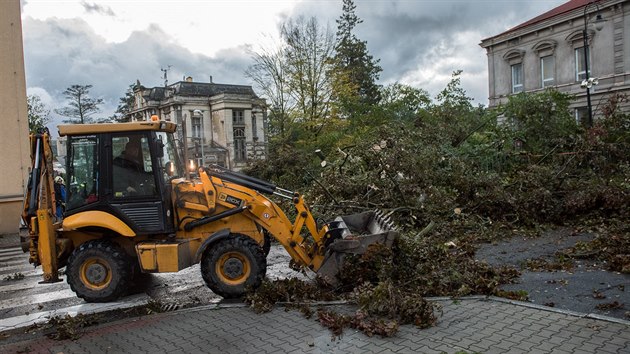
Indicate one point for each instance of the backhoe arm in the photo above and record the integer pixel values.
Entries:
(40, 208)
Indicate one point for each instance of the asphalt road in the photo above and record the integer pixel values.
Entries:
(582, 289)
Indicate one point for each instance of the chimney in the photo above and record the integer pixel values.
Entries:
(210, 78)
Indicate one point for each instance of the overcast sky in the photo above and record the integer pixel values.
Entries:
(111, 44)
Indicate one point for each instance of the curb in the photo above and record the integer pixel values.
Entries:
(593, 316)
(19, 322)
(219, 306)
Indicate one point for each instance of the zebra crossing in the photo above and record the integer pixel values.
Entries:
(24, 301)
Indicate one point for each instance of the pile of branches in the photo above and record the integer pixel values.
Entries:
(455, 178)
(378, 282)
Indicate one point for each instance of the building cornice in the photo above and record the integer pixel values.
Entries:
(550, 23)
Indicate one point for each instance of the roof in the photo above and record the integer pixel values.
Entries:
(564, 8)
(203, 89)
(86, 129)
(210, 89)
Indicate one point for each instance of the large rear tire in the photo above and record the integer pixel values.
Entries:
(232, 265)
(99, 271)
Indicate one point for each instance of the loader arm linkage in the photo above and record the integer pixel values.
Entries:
(320, 245)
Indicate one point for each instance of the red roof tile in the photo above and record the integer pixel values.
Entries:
(566, 7)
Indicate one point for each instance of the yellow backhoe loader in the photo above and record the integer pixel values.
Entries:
(132, 208)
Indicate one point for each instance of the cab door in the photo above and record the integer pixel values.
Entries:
(135, 191)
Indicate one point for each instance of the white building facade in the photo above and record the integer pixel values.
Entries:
(224, 124)
(548, 51)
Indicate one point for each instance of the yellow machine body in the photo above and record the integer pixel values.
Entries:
(223, 219)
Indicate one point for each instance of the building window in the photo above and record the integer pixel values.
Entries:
(240, 152)
(238, 118)
(581, 115)
(580, 65)
(547, 71)
(238, 123)
(517, 78)
(254, 132)
(196, 127)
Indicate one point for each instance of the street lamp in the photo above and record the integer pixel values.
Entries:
(590, 82)
(199, 113)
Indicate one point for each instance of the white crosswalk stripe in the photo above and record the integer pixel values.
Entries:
(22, 297)
(44, 316)
(16, 250)
(37, 299)
(24, 301)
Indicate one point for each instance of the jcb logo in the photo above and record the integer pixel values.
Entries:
(229, 199)
(233, 200)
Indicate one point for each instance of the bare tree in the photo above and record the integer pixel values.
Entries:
(269, 75)
(309, 47)
(293, 75)
(80, 105)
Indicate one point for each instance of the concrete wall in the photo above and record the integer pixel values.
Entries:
(14, 151)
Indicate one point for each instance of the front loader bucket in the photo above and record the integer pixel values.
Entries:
(352, 234)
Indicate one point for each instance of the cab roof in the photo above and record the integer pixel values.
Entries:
(82, 129)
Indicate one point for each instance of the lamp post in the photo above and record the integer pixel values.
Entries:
(588, 82)
(199, 113)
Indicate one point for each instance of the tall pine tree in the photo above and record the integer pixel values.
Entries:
(354, 71)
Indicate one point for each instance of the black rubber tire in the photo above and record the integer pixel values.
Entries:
(240, 249)
(106, 256)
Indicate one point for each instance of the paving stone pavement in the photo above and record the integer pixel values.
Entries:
(484, 325)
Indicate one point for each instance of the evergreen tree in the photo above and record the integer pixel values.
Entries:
(125, 105)
(80, 105)
(354, 71)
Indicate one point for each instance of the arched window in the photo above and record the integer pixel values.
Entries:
(514, 57)
(545, 50)
(576, 40)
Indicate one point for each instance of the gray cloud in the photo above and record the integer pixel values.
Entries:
(422, 42)
(63, 52)
(418, 42)
(98, 9)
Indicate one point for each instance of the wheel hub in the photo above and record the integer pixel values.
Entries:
(233, 268)
(96, 273)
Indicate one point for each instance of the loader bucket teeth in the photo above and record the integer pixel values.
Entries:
(352, 234)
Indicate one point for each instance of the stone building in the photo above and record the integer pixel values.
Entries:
(15, 160)
(224, 124)
(548, 51)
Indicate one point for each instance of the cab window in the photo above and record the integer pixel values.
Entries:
(132, 173)
(83, 171)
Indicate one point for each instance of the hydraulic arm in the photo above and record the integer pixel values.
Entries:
(321, 248)
(40, 208)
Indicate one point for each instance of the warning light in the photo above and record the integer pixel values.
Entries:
(155, 118)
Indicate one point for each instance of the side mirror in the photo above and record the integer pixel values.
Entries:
(160, 147)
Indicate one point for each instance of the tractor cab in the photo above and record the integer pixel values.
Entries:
(124, 170)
